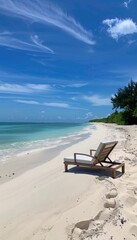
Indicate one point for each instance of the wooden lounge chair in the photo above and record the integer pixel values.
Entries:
(100, 160)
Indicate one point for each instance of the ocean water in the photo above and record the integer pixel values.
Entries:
(16, 138)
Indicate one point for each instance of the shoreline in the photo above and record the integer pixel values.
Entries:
(44, 202)
(16, 165)
(17, 148)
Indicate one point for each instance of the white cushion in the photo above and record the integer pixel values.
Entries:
(79, 159)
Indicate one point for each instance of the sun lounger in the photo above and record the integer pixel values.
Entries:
(100, 160)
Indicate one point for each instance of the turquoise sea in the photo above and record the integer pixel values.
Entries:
(16, 138)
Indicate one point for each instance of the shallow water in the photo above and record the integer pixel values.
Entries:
(16, 138)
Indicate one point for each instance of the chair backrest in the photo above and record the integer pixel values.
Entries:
(103, 150)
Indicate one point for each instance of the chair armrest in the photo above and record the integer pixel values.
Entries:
(91, 150)
(75, 155)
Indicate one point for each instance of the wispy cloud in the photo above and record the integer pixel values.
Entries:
(75, 85)
(88, 115)
(46, 13)
(23, 88)
(56, 104)
(131, 41)
(97, 100)
(27, 102)
(50, 104)
(126, 3)
(57, 83)
(38, 87)
(35, 44)
(118, 27)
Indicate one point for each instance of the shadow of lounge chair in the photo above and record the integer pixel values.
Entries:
(100, 160)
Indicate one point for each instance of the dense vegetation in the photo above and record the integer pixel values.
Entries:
(125, 106)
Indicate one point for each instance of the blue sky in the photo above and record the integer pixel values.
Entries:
(62, 60)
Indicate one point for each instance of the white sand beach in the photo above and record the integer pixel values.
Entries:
(42, 202)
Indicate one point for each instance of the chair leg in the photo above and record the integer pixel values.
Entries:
(114, 174)
(66, 167)
(123, 168)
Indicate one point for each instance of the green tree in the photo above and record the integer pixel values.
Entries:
(126, 99)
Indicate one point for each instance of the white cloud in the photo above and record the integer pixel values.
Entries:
(46, 13)
(97, 100)
(13, 88)
(77, 85)
(74, 85)
(26, 88)
(27, 102)
(48, 104)
(118, 27)
(35, 44)
(39, 87)
(131, 42)
(126, 3)
(57, 83)
(53, 104)
(56, 104)
(88, 115)
(39, 43)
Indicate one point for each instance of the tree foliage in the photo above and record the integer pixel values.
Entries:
(125, 105)
(126, 99)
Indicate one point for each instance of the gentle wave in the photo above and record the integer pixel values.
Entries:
(49, 136)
